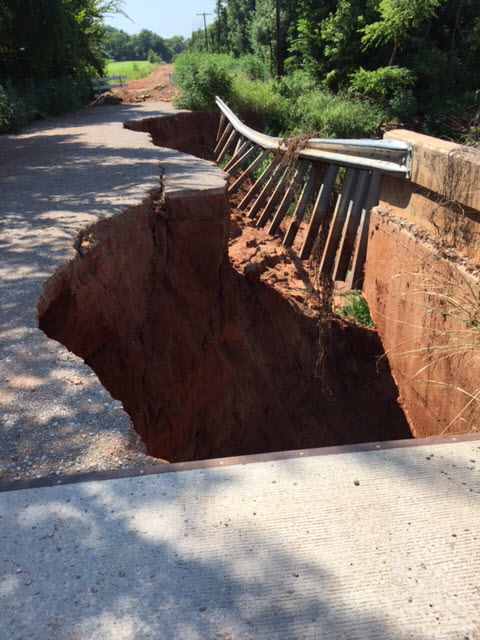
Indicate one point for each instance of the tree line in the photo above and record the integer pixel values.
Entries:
(49, 50)
(120, 46)
(422, 56)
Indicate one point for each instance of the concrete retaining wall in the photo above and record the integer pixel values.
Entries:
(422, 284)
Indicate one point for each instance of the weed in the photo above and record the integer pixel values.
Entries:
(225, 160)
(355, 308)
(290, 210)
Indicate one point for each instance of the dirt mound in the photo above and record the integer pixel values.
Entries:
(208, 362)
(107, 99)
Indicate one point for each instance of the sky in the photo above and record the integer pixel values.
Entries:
(167, 18)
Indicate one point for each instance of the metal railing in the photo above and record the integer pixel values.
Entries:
(336, 181)
(105, 84)
(388, 156)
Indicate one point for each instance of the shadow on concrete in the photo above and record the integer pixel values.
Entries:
(156, 560)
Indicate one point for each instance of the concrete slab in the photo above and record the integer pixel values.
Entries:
(58, 177)
(380, 544)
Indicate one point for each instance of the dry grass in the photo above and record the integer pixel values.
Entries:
(450, 326)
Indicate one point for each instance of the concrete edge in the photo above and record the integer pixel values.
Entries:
(434, 160)
(131, 472)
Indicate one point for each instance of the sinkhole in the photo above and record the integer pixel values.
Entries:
(207, 361)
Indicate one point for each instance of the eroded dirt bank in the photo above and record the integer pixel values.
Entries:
(206, 362)
(190, 132)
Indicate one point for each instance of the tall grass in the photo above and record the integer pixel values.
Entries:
(293, 104)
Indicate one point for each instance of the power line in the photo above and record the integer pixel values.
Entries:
(205, 26)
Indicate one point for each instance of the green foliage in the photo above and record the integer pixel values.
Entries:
(336, 116)
(201, 77)
(260, 105)
(39, 75)
(355, 308)
(12, 109)
(275, 107)
(74, 44)
(389, 86)
(252, 67)
(295, 84)
(27, 100)
(400, 20)
(152, 57)
(239, 16)
(132, 69)
(431, 46)
(262, 32)
(340, 38)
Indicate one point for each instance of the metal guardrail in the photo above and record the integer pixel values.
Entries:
(320, 199)
(387, 156)
(103, 84)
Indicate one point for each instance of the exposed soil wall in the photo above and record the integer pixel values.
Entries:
(206, 362)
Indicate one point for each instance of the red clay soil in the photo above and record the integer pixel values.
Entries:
(206, 361)
(192, 133)
(156, 87)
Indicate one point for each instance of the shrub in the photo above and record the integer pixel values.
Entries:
(201, 76)
(12, 109)
(278, 107)
(389, 86)
(27, 100)
(260, 105)
(336, 116)
(152, 57)
(295, 84)
(252, 67)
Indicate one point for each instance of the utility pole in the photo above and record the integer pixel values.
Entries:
(279, 60)
(205, 26)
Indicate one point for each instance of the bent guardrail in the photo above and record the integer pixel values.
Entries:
(336, 181)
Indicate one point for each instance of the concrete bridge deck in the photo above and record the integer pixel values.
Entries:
(363, 542)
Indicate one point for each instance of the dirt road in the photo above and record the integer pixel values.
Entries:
(156, 87)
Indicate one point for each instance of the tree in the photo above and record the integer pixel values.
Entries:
(218, 30)
(75, 44)
(144, 41)
(239, 16)
(176, 44)
(262, 31)
(117, 44)
(400, 19)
